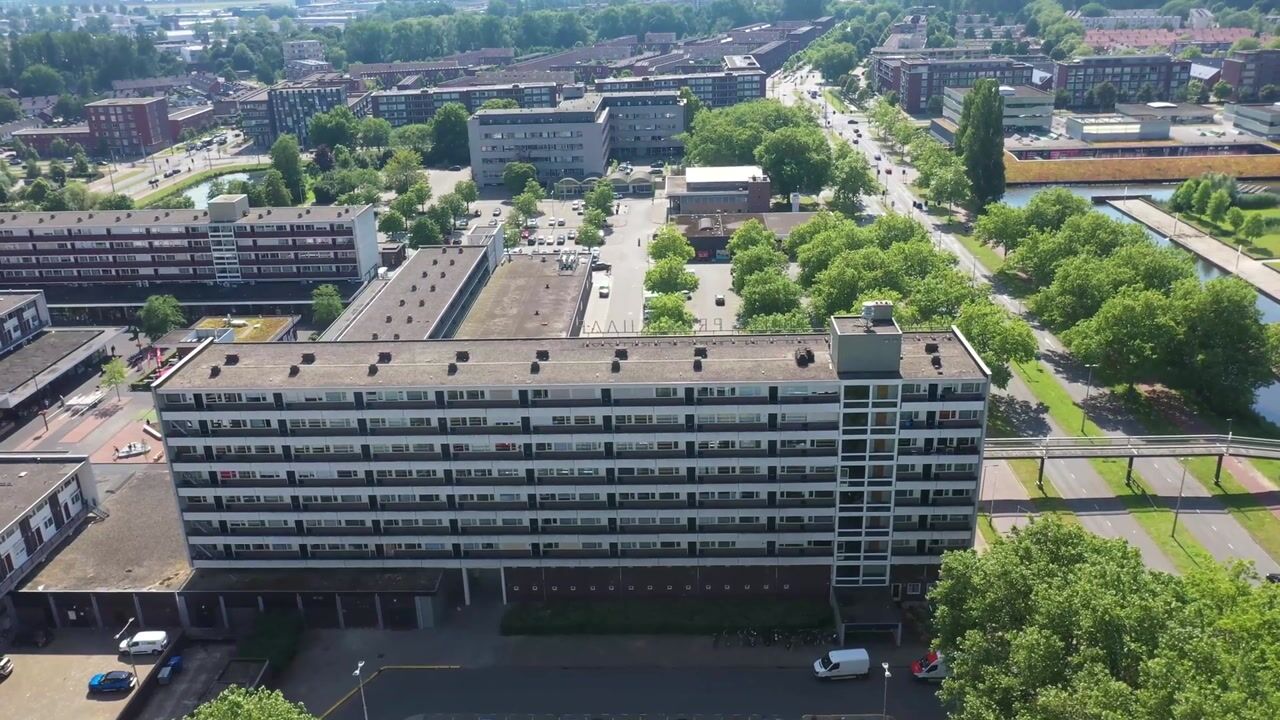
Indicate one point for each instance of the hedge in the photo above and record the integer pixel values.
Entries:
(1257, 201)
(663, 617)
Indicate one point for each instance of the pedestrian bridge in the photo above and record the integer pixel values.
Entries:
(1129, 447)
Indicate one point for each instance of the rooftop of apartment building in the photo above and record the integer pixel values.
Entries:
(1271, 109)
(560, 361)
(406, 67)
(1009, 91)
(1118, 60)
(498, 77)
(411, 302)
(124, 101)
(47, 350)
(189, 112)
(590, 102)
(740, 62)
(1167, 110)
(11, 300)
(26, 479)
(58, 131)
(530, 296)
(144, 218)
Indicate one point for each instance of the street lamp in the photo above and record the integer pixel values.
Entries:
(132, 663)
(1084, 412)
(1178, 506)
(360, 684)
(884, 706)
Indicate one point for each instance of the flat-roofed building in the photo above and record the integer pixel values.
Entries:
(1261, 120)
(716, 89)
(644, 126)
(128, 127)
(570, 140)
(1024, 107)
(925, 78)
(303, 50)
(532, 296)
(587, 467)
(1248, 71)
(726, 189)
(407, 107)
(1161, 77)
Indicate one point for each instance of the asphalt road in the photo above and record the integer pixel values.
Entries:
(1100, 512)
(787, 693)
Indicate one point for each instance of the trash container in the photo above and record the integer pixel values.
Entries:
(165, 676)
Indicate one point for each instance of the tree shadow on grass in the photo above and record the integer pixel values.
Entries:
(1011, 417)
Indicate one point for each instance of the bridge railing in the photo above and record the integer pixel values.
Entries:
(1113, 445)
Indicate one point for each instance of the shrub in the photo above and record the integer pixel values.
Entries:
(663, 617)
(275, 637)
(1257, 201)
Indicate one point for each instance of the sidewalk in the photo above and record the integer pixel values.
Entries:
(1004, 498)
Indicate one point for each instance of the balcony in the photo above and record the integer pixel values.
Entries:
(495, 529)
(265, 554)
(401, 405)
(806, 527)
(572, 505)
(570, 480)
(806, 452)
(486, 430)
(806, 502)
(807, 477)
(704, 527)
(419, 554)
(649, 453)
(509, 554)
(412, 505)
(651, 504)
(716, 478)
(809, 426)
(346, 530)
(257, 506)
(736, 400)
(331, 482)
(483, 403)
(573, 529)
(485, 455)
(575, 553)
(569, 455)
(565, 429)
(650, 428)
(252, 482)
(804, 552)
(732, 452)
(340, 554)
(335, 506)
(733, 427)
(408, 430)
(732, 552)
(566, 402)
(652, 528)
(328, 457)
(403, 456)
(188, 506)
(316, 406)
(410, 481)
(506, 480)
(822, 398)
(442, 529)
(477, 505)
(654, 552)
(739, 503)
(287, 530)
(234, 432)
(225, 407)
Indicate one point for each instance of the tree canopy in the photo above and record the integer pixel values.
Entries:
(237, 703)
(159, 315)
(730, 135)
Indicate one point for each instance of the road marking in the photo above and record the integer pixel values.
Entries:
(1230, 546)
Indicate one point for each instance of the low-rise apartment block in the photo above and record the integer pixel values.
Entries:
(303, 50)
(1024, 107)
(1248, 71)
(1127, 19)
(564, 467)
(570, 140)
(128, 127)
(924, 79)
(1162, 76)
(407, 107)
(718, 89)
(227, 243)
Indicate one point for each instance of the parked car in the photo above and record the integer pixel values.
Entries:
(560, 222)
(720, 300)
(573, 234)
(560, 239)
(6, 666)
(493, 222)
(32, 637)
(455, 168)
(114, 681)
(877, 157)
(147, 642)
(604, 290)
(839, 664)
(932, 667)
(497, 212)
(601, 266)
(888, 171)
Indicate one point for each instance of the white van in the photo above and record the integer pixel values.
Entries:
(931, 667)
(840, 664)
(147, 642)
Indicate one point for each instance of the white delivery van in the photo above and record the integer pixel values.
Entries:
(840, 664)
(147, 642)
(931, 667)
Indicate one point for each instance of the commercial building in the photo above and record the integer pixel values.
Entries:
(570, 140)
(631, 466)
(643, 126)
(23, 315)
(43, 500)
(1248, 71)
(709, 234)
(716, 90)
(128, 127)
(729, 189)
(1260, 120)
(1175, 113)
(1116, 128)
(407, 107)
(227, 243)
(1163, 77)
(1024, 107)
(923, 79)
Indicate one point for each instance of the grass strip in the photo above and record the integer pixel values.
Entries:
(986, 255)
(192, 180)
(836, 101)
(1182, 550)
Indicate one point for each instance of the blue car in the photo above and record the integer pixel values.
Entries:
(114, 681)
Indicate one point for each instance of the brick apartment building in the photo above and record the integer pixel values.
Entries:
(1248, 71)
(228, 243)
(719, 89)
(128, 127)
(407, 107)
(924, 79)
(1166, 77)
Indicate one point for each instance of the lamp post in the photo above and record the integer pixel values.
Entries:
(884, 705)
(1084, 413)
(360, 684)
(132, 663)
(1178, 505)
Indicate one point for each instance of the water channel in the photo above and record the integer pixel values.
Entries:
(199, 194)
(1267, 402)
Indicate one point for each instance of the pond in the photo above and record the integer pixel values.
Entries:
(199, 194)
(1267, 402)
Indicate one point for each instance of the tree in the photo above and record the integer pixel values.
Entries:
(114, 373)
(392, 222)
(670, 242)
(326, 305)
(769, 292)
(797, 159)
(286, 158)
(80, 164)
(670, 276)
(534, 189)
(417, 137)
(237, 703)
(467, 192)
(1253, 227)
(40, 79)
(1051, 209)
(9, 110)
(58, 172)
(1235, 218)
(453, 205)
(761, 258)
(374, 132)
(1183, 199)
(751, 234)
(425, 232)
(980, 140)
(1104, 95)
(998, 337)
(338, 126)
(667, 312)
(692, 105)
(275, 194)
(589, 236)
(403, 170)
(1200, 201)
(526, 204)
(950, 187)
(1219, 202)
(449, 134)
(794, 321)
(499, 104)
(1223, 353)
(730, 135)
(159, 315)
(1222, 90)
(851, 179)
(1002, 225)
(1124, 350)
(516, 175)
(600, 198)
(115, 201)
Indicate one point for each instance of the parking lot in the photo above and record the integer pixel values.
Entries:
(52, 682)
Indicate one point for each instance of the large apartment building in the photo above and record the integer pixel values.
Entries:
(643, 126)
(570, 140)
(1161, 75)
(227, 243)
(924, 79)
(128, 127)
(408, 107)
(1248, 71)
(587, 466)
(716, 90)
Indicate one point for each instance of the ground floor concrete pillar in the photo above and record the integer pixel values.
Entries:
(466, 588)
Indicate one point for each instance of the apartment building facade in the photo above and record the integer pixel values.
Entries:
(227, 243)
(303, 50)
(718, 89)
(23, 315)
(293, 105)
(924, 79)
(588, 467)
(1248, 71)
(128, 127)
(570, 140)
(47, 498)
(643, 125)
(1164, 76)
(407, 107)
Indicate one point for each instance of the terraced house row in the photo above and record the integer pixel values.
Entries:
(577, 466)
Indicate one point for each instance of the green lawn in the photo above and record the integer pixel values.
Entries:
(836, 101)
(1182, 550)
(1046, 502)
(1265, 247)
(987, 256)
